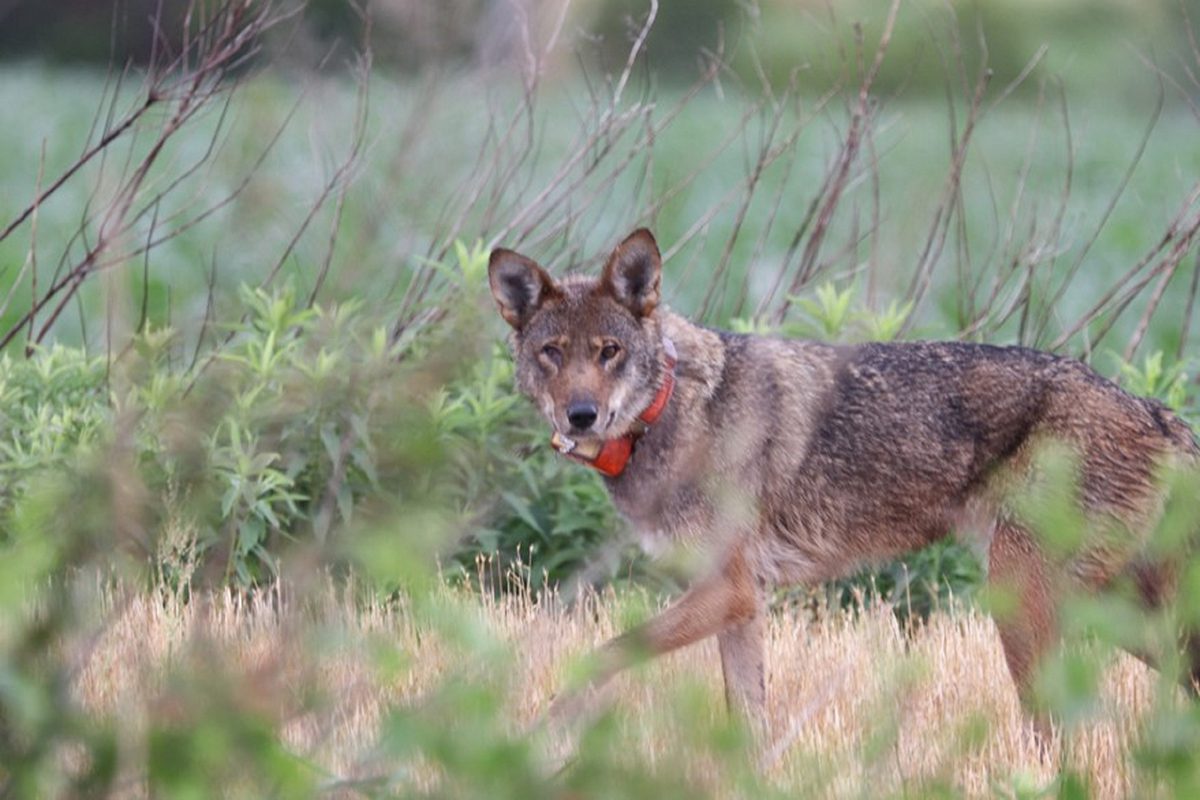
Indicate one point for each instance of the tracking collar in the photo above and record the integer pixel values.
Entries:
(609, 457)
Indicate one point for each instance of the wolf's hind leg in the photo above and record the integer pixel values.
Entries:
(1029, 629)
(742, 666)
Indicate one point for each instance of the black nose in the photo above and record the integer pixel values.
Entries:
(581, 415)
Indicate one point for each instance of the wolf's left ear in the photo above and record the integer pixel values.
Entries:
(634, 273)
(519, 285)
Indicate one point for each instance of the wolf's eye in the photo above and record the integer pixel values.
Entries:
(609, 352)
(553, 354)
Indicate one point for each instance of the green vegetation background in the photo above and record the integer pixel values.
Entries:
(382, 433)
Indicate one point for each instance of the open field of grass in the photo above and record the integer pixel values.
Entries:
(857, 705)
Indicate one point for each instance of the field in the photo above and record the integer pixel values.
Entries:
(859, 705)
(273, 521)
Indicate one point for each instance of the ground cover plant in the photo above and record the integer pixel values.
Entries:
(275, 523)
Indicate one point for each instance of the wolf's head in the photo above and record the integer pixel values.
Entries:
(588, 351)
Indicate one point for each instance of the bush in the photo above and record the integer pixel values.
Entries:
(53, 405)
(280, 436)
(308, 418)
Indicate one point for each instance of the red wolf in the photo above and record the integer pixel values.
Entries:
(786, 461)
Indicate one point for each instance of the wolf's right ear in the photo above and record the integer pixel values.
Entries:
(519, 285)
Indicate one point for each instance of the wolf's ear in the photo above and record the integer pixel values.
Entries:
(519, 285)
(634, 272)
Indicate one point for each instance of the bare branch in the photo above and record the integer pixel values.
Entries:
(184, 85)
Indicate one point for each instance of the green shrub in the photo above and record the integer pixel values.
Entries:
(276, 438)
(307, 416)
(53, 404)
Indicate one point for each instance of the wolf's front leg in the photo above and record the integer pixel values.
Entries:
(724, 601)
(742, 666)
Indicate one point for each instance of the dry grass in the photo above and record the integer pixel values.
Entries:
(857, 706)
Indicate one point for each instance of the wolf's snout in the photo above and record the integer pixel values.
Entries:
(582, 415)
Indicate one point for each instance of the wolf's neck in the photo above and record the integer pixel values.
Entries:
(701, 355)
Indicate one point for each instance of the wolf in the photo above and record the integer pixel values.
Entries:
(784, 461)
